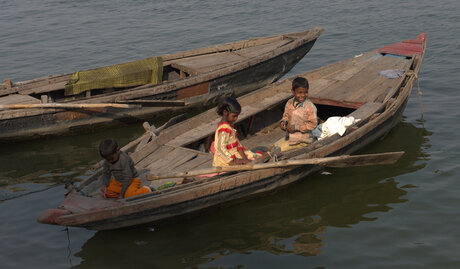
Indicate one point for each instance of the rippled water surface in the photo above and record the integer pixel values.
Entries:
(400, 216)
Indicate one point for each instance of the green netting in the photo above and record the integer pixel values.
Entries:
(117, 76)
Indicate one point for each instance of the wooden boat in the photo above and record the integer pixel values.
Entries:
(196, 77)
(351, 87)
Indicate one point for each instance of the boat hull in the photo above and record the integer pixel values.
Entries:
(265, 182)
(64, 122)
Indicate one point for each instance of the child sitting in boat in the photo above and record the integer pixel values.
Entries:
(299, 117)
(125, 182)
(228, 150)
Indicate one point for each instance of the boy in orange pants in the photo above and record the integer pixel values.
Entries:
(125, 182)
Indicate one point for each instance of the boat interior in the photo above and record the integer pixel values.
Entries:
(351, 87)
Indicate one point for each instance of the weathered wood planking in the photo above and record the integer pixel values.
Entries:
(262, 138)
(147, 150)
(18, 99)
(168, 158)
(206, 63)
(184, 158)
(204, 165)
(381, 85)
(253, 51)
(42, 83)
(366, 110)
(193, 163)
(340, 66)
(346, 90)
(155, 156)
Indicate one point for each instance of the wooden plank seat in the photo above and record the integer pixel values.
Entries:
(205, 63)
(170, 158)
(266, 137)
(366, 110)
(257, 50)
(18, 99)
(359, 84)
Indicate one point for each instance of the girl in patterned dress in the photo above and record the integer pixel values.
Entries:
(228, 150)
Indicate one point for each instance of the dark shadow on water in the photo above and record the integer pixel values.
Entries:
(292, 221)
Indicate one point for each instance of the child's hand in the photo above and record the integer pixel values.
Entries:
(291, 128)
(283, 125)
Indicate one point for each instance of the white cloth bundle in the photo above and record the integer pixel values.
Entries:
(333, 125)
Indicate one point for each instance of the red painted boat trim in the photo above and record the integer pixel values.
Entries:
(406, 47)
(50, 215)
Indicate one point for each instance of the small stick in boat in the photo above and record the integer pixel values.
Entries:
(153, 103)
(67, 106)
(337, 161)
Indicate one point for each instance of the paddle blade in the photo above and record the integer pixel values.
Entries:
(365, 159)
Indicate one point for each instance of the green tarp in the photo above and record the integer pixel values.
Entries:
(117, 76)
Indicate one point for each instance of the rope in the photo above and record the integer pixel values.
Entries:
(420, 93)
(66, 182)
(69, 254)
(27, 193)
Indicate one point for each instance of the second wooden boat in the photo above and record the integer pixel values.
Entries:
(195, 78)
(373, 87)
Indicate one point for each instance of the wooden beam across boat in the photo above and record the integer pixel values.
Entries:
(154, 103)
(67, 106)
(336, 161)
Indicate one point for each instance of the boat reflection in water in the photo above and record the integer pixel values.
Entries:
(293, 221)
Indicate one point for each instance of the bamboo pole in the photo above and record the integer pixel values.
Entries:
(338, 161)
(66, 106)
(154, 103)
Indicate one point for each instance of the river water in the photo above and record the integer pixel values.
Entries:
(400, 216)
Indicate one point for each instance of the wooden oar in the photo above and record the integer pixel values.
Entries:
(67, 106)
(117, 104)
(338, 161)
(154, 103)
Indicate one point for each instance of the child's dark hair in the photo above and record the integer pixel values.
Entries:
(299, 82)
(230, 104)
(108, 147)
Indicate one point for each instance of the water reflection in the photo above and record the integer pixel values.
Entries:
(292, 221)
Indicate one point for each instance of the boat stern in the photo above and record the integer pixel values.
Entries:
(50, 216)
